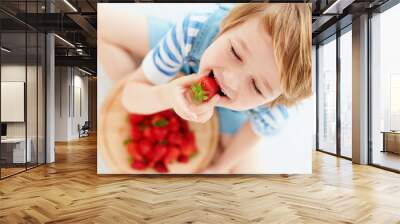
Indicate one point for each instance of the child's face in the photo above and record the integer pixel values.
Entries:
(243, 63)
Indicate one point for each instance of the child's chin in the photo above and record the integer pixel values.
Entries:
(236, 107)
(228, 104)
(223, 101)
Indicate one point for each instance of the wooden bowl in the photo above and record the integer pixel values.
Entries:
(114, 129)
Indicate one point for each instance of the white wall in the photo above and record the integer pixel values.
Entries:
(17, 73)
(12, 101)
(61, 103)
(80, 96)
(67, 114)
(33, 127)
(14, 73)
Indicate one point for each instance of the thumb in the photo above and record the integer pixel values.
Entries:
(213, 102)
(206, 106)
(189, 79)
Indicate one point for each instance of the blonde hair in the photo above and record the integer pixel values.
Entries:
(289, 25)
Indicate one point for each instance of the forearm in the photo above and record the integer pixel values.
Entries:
(115, 60)
(133, 39)
(142, 97)
(242, 142)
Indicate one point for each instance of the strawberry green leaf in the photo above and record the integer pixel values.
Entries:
(127, 141)
(161, 123)
(193, 155)
(198, 93)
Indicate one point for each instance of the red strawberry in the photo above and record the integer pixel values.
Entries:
(167, 113)
(204, 90)
(136, 134)
(147, 133)
(173, 124)
(183, 159)
(161, 167)
(146, 122)
(159, 133)
(189, 137)
(175, 138)
(139, 165)
(172, 154)
(136, 118)
(158, 152)
(133, 150)
(145, 146)
(184, 126)
(189, 145)
(159, 121)
(188, 149)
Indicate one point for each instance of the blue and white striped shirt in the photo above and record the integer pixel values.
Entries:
(163, 62)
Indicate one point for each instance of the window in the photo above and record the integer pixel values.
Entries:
(327, 96)
(346, 93)
(22, 76)
(385, 88)
(395, 102)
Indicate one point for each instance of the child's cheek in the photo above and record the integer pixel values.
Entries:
(211, 59)
(216, 56)
(220, 57)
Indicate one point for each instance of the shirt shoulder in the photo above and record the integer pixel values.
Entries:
(163, 61)
(268, 121)
(190, 26)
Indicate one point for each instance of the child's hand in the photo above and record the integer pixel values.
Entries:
(177, 94)
(216, 169)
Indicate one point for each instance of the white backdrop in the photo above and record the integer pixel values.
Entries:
(288, 152)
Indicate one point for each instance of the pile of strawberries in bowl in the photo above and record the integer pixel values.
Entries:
(159, 139)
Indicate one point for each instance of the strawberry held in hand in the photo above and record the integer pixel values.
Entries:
(204, 90)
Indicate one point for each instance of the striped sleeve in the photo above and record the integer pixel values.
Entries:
(268, 121)
(162, 63)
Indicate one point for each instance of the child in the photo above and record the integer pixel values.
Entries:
(259, 54)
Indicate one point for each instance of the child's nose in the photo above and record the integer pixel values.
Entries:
(232, 82)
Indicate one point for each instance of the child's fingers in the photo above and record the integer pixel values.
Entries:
(185, 109)
(203, 118)
(223, 102)
(205, 107)
(203, 112)
(187, 80)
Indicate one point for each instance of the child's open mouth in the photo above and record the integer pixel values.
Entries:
(221, 91)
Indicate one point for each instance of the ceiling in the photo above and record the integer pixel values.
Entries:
(76, 22)
(329, 16)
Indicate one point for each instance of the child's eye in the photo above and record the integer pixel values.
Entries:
(256, 88)
(235, 54)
